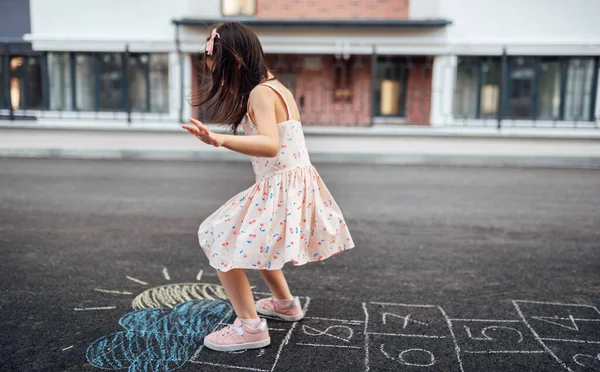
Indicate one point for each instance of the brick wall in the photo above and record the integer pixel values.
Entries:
(332, 9)
(314, 91)
(418, 91)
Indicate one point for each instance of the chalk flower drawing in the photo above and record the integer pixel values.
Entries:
(158, 339)
(165, 329)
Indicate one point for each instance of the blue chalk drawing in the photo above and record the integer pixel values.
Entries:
(158, 339)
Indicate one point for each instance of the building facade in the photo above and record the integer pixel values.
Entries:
(349, 63)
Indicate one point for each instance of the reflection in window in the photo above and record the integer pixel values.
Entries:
(549, 89)
(84, 82)
(25, 81)
(239, 7)
(159, 82)
(465, 95)
(59, 76)
(578, 94)
(490, 87)
(109, 82)
(521, 85)
(390, 86)
(16, 76)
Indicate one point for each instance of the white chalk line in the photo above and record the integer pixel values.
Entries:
(136, 280)
(166, 273)
(456, 347)
(506, 352)
(406, 319)
(407, 305)
(199, 275)
(356, 322)
(95, 308)
(112, 291)
(263, 293)
(236, 367)
(537, 337)
(486, 337)
(340, 346)
(286, 340)
(576, 357)
(565, 340)
(325, 332)
(364, 305)
(557, 304)
(403, 361)
(486, 320)
(403, 335)
(553, 320)
(67, 348)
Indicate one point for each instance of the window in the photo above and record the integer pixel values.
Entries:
(3, 84)
(96, 82)
(137, 82)
(537, 88)
(59, 75)
(580, 85)
(25, 82)
(521, 88)
(84, 82)
(239, 7)
(477, 90)
(159, 82)
(490, 87)
(390, 86)
(110, 76)
(342, 80)
(467, 84)
(549, 91)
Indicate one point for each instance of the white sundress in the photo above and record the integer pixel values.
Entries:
(288, 215)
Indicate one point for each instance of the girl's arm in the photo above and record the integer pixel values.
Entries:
(262, 111)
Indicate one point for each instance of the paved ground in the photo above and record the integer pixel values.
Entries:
(468, 269)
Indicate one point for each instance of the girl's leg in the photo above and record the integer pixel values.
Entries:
(238, 290)
(277, 283)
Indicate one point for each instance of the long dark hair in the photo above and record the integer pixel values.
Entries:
(238, 67)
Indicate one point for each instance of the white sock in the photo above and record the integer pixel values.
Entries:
(286, 302)
(252, 323)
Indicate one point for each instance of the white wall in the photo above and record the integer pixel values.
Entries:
(104, 24)
(424, 9)
(550, 26)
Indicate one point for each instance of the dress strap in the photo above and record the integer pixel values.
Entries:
(287, 107)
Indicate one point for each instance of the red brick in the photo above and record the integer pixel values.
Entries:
(332, 9)
(418, 91)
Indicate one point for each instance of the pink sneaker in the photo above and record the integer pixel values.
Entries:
(291, 313)
(239, 336)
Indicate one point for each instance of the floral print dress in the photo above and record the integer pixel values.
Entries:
(288, 215)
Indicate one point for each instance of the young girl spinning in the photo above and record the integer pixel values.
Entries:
(288, 215)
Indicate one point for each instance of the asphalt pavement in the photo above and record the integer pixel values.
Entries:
(455, 269)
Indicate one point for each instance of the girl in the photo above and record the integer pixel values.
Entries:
(288, 215)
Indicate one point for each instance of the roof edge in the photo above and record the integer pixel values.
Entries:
(251, 21)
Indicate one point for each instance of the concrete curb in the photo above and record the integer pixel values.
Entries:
(376, 131)
(588, 162)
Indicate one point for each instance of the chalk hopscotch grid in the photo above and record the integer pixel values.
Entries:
(445, 316)
(541, 340)
(449, 322)
(277, 356)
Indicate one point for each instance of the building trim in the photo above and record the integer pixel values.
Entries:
(250, 21)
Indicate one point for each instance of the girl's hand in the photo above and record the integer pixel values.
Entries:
(204, 134)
